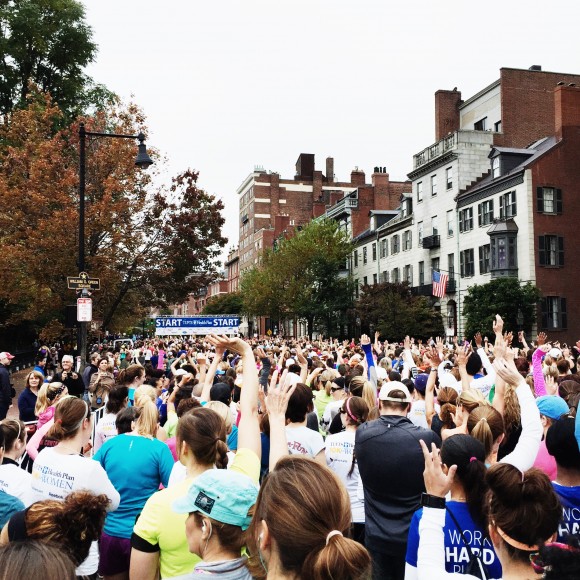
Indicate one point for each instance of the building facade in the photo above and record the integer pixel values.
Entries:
(474, 211)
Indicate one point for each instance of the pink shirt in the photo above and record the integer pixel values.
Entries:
(546, 462)
(172, 447)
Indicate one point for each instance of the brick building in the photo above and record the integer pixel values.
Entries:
(271, 205)
(232, 267)
(480, 193)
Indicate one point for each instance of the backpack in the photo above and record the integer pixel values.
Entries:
(475, 567)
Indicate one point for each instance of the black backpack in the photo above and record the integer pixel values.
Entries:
(475, 567)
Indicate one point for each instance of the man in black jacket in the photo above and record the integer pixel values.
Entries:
(5, 386)
(69, 378)
(391, 464)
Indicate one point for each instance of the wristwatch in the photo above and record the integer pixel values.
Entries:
(432, 501)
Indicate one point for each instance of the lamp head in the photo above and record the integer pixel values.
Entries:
(143, 161)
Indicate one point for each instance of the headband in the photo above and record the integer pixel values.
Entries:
(515, 543)
(349, 413)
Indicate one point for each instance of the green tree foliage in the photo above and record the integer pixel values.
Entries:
(302, 278)
(503, 296)
(47, 42)
(230, 303)
(395, 312)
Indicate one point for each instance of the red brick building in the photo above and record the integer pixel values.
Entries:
(271, 205)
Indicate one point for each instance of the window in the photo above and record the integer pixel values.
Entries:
(451, 265)
(355, 254)
(497, 126)
(395, 276)
(549, 200)
(551, 250)
(384, 248)
(420, 233)
(421, 273)
(408, 274)
(466, 264)
(365, 281)
(395, 244)
(481, 125)
(434, 266)
(434, 228)
(419, 191)
(466, 219)
(554, 314)
(450, 222)
(449, 177)
(374, 251)
(407, 240)
(365, 255)
(507, 205)
(433, 185)
(374, 278)
(495, 167)
(504, 253)
(385, 276)
(485, 213)
(356, 289)
(484, 253)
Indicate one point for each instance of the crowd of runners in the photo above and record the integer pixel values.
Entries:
(285, 459)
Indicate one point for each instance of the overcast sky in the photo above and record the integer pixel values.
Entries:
(228, 85)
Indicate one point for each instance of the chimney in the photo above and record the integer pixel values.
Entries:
(305, 167)
(535, 67)
(330, 169)
(446, 112)
(567, 108)
(380, 177)
(357, 176)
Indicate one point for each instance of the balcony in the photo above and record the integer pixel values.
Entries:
(435, 150)
(431, 242)
(451, 286)
(422, 290)
(346, 204)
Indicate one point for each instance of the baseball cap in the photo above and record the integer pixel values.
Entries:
(555, 352)
(386, 390)
(421, 382)
(220, 494)
(6, 355)
(552, 406)
(179, 373)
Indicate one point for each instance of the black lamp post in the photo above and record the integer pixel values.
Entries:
(143, 161)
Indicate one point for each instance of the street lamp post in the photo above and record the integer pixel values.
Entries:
(143, 161)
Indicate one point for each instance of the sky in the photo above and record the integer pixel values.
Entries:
(228, 85)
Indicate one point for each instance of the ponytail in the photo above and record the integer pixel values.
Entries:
(146, 418)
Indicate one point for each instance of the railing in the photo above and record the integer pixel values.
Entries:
(451, 286)
(430, 242)
(26, 461)
(345, 203)
(434, 150)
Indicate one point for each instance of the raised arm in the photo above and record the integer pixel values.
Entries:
(277, 403)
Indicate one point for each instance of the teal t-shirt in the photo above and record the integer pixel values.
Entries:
(136, 466)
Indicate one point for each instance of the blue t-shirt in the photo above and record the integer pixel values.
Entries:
(9, 505)
(233, 439)
(570, 498)
(136, 466)
(456, 553)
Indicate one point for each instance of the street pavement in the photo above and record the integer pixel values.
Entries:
(18, 379)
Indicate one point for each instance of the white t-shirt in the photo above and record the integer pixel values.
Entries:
(105, 430)
(330, 412)
(16, 481)
(55, 475)
(179, 471)
(417, 414)
(304, 441)
(339, 452)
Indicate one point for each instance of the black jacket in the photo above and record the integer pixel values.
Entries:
(5, 388)
(76, 387)
(391, 464)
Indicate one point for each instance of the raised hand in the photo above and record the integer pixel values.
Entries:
(542, 338)
(437, 482)
(477, 339)
(498, 324)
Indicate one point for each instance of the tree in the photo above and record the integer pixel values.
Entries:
(231, 303)
(302, 278)
(395, 312)
(503, 296)
(47, 42)
(149, 247)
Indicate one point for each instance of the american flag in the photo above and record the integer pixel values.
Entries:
(439, 284)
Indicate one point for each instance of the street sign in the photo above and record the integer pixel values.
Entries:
(84, 309)
(83, 282)
(198, 325)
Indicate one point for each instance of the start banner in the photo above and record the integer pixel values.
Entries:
(196, 325)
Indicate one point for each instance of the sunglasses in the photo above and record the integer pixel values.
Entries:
(334, 389)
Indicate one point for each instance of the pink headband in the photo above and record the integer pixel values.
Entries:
(349, 413)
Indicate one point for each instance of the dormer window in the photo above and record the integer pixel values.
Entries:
(495, 167)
